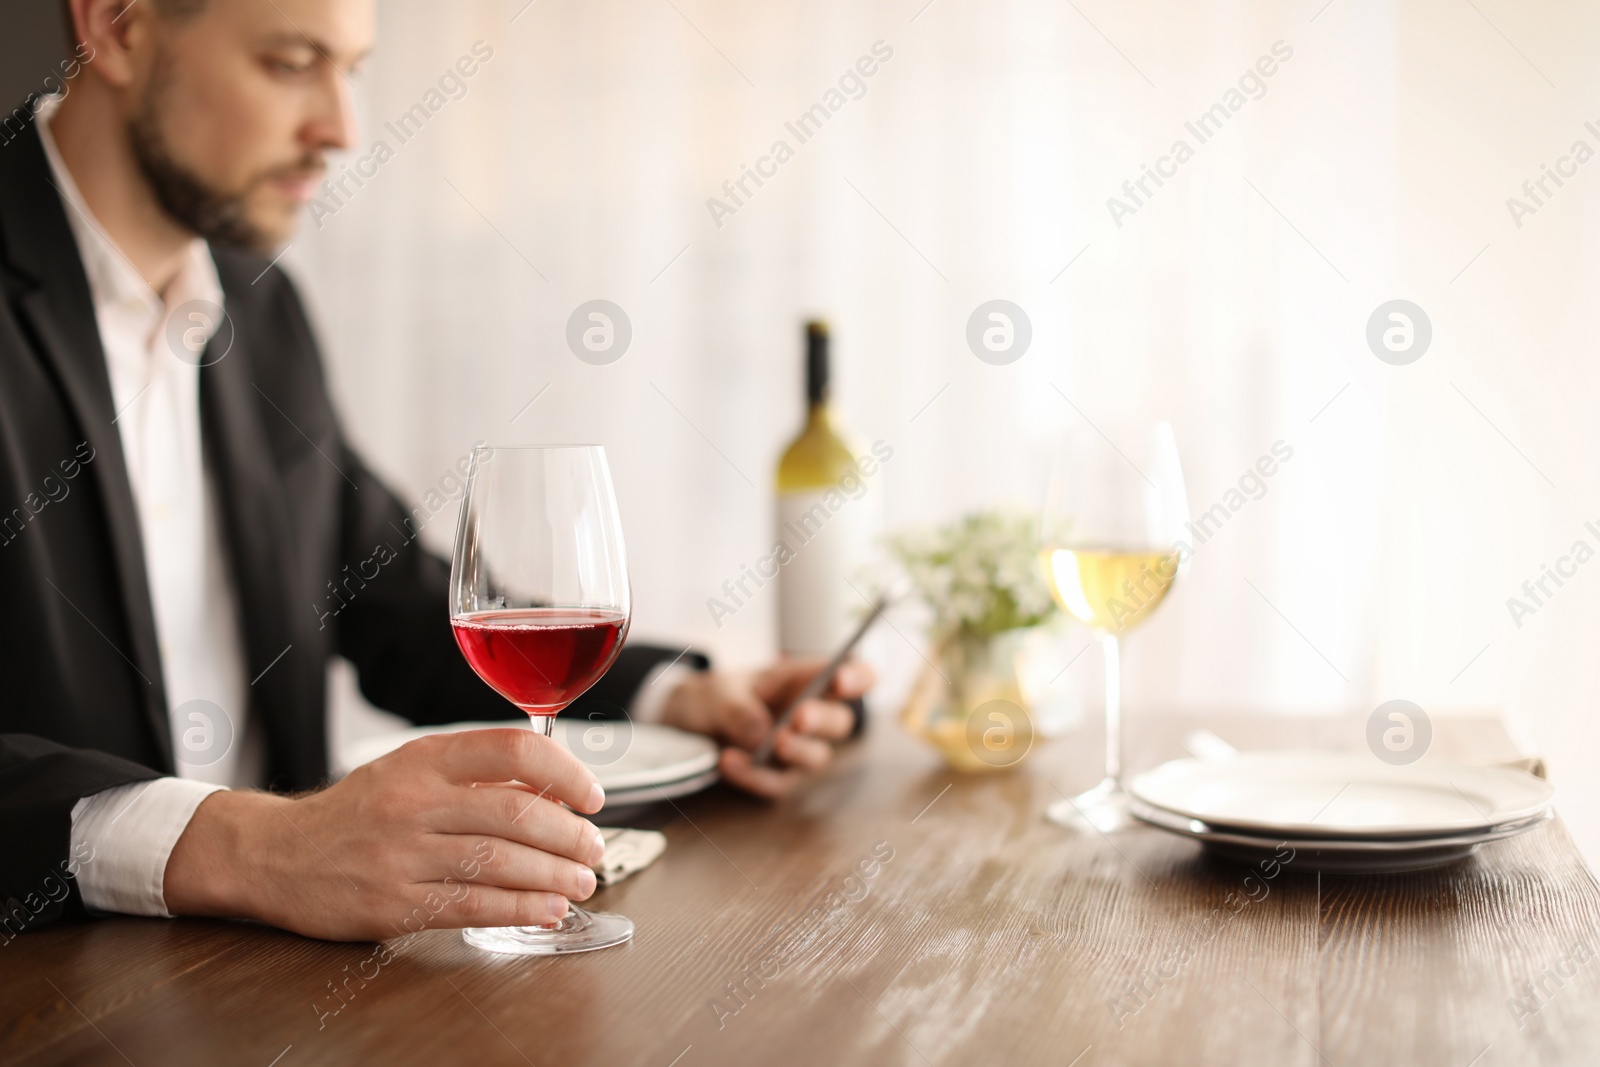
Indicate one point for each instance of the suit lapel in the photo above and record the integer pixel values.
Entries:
(256, 521)
(60, 313)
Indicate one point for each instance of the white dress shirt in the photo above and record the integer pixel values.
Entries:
(155, 386)
(156, 394)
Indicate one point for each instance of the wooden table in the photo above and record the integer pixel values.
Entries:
(979, 934)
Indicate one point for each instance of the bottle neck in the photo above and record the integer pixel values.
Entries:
(817, 417)
(816, 365)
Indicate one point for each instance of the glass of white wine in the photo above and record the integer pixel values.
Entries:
(1119, 499)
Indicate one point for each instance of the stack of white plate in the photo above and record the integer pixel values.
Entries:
(636, 763)
(1345, 812)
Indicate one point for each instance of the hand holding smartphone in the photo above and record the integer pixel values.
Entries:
(819, 682)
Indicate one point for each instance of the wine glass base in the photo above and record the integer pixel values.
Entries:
(578, 931)
(1103, 808)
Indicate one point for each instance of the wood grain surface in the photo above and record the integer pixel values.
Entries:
(896, 913)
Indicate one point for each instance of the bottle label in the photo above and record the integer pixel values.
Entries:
(827, 533)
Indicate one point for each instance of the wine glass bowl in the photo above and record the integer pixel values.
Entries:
(540, 605)
(1110, 589)
(540, 658)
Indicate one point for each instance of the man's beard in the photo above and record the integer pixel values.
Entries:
(200, 207)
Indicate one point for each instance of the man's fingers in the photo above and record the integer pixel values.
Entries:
(500, 755)
(763, 781)
(513, 784)
(744, 720)
(516, 815)
(826, 719)
(807, 753)
(782, 682)
(510, 865)
(853, 679)
(487, 905)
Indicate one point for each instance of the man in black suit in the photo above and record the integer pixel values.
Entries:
(175, 491)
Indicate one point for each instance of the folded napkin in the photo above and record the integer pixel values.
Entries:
(627, 853)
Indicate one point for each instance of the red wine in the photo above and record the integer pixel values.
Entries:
(540, 659)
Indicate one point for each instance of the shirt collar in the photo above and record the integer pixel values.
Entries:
(113, 281)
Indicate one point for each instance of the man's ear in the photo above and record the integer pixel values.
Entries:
(110, 34)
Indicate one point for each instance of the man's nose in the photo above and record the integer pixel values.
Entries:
(334, 123)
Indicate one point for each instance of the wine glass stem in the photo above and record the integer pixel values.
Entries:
(1113, 709)
(546, 725)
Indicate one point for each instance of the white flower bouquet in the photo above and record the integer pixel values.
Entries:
(981, 580)
(979, 575)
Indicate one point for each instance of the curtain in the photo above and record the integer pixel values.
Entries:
(1341, 156)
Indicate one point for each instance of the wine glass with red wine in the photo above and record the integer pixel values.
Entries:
(539, 602)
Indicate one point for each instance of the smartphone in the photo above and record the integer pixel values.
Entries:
(819, 682)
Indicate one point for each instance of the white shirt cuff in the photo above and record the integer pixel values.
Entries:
(651, 699)
(125, 835)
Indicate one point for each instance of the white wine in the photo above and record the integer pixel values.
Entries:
(1110, 589)
(821, 519)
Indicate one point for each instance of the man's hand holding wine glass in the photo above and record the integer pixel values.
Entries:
(401, 837)
(422, 832)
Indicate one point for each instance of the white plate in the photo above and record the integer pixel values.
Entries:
(1342, 795)
(624, 756)
(627, 798)
(1336, 855)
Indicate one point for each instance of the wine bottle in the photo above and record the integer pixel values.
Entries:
(822, 520)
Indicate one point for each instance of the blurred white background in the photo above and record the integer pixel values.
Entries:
(1376, 165)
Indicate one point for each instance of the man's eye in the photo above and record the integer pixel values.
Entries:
(287, 66)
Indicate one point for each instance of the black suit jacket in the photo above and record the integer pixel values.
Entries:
(83, 707)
